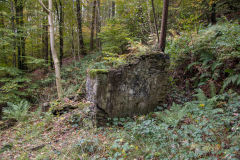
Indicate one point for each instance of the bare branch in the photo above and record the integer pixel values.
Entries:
(44, 7)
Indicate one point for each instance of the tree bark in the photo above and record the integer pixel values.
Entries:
(79, 20)
(162, 43)
(45, 39)
(98, 25)
(61, 30)
(213, 14)
(54, 54)
(14, 37)
(113, 8)
(149, 17)
(21, 40)
(51, 59)
(45, 42)
(60, 16)
(73, 47)
(92, 25)
(155, 20)
(2, 25)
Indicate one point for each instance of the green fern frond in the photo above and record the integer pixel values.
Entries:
(18, 112)
(234, 79)
(200, 95)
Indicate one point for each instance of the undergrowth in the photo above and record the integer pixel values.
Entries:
(212, 55)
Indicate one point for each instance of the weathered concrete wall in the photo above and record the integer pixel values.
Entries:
(132, 89)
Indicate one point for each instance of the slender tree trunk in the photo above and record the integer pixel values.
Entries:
(21, 39)
(92, 25)
(149, 17)
(60, 17)
(78, 46)
(98, 25)
(73, 47)
(213, 14)
(1, 24)
(162, 43)
(45, 39)
(113, 8)
(155, 20)
(109, 9)
(2, 35)
(51, 59)
(45, 42)
(54, 53)
(61, 30)
(79, 20)
(13, 30)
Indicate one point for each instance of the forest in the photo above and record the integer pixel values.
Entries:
(119, 79)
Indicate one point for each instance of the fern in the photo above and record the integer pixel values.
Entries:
(200, 95)
(212, 89)
(174, 116)
(234, 79)
(18, 112)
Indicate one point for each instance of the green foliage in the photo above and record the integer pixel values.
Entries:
(36, 62)
(234, 80)
(114, 37)
(212, 55)
(11, 84)
(198, 129)
(17, 112)
(86, 147)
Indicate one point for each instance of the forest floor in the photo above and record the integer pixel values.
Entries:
(194, 130)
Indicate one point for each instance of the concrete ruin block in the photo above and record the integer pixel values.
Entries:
(132, 89)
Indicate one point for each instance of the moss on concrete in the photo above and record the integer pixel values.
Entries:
(93, 72)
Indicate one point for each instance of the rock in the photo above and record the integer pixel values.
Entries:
(45, 106)
(63, 109)
(133, 89)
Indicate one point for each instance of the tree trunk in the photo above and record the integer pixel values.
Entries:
(21, 40)
(109, 5)
(45, 42)
(149, 17)
(60, 17)
(73, 47)
(13, 30)
(113, 9)
(162, 43)
(155, 20)
(213, 14)
(79, 20)
(61, 30)
(54, 54)
(92, 25)
(98, 25)
(51, 59)
(4, 58)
